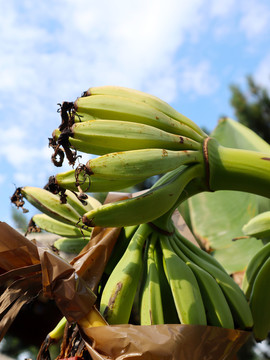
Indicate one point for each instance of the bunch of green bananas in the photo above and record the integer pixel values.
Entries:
(176, 281)
(138, 136)
(60, 215)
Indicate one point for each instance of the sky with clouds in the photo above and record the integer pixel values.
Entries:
(185, 52)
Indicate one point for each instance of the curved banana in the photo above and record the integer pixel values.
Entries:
(148, 99)
(145, 207)
(151, 310)
(260, 302)
(58, 331)
(253, 269)
(113, 107)
(120, 247)
(120, 135)
(92, 319)
(57, 227)
(84, 205)
(80, 178)
(217, 310)
(184, 286)
(83, 146)
(50, 204)
(169, 310)
(132, 164)
(119, 292)
(71, 245)
(234, 295)
(200, 252)
(258, 226)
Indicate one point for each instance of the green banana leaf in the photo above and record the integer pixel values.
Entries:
(217, 218)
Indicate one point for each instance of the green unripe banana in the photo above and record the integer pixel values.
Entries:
(71, 245)
(151, 310)
(119, 291)
(184, 286)
(260, 302)
(134, 164)
(258, 226)
(57, 227)
(145, 207)
(50, 204)
(253, 268)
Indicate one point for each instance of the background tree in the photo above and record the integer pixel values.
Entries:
(252, 108)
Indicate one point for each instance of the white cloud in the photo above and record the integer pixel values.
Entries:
(197, 79)
(262, 74)
(255, 18)
(222, 8)
(2, 179)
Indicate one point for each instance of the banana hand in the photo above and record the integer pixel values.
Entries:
(144, 98)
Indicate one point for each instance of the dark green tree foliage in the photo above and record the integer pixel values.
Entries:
(252, 108)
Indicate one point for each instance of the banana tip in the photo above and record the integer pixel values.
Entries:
(87, 222)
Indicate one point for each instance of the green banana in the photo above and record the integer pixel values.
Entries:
(151, 310)
(118, 135)
(184, 286)
(57, 227)
(71, 245)
(216, 306)
(120, 247)
(200, 252)
(145, 207)
(169, 310)
(83, 146)
(119, 292)
(253, 269)
(145, 98)
(218, 312)
(234, 295)
(80, 178)
(50, 204)
(84, 205)
(260, 302)
(113, 107)
(132, 164)
(258, 226)
(57, 333)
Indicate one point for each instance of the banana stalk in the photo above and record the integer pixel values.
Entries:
(237, 169)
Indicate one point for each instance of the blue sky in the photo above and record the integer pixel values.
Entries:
(185, 52)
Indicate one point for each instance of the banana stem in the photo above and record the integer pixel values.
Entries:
(237, 169)
(190, 187)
